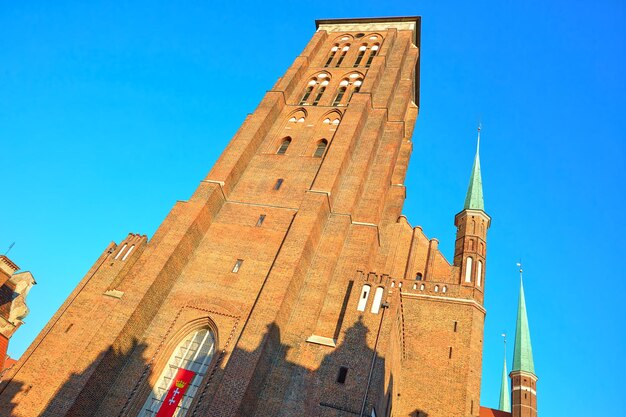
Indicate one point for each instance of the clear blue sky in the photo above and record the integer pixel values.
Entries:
(112, 111)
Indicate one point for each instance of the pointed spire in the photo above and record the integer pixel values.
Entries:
(505, 394)
(523, 352)
(474, 198)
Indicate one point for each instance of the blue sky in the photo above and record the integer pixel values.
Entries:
(110, 112)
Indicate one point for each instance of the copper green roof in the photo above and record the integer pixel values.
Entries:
(505, 394)
(474, 198)
(523, 352)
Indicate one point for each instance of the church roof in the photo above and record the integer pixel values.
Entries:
(474, 198)
(523, 352)
(490, 412)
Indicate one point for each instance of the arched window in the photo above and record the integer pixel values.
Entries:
(128, 252)
(436, 288)
(333, 52)
(283, 146)
(359, 57)
(187, 366)
(479, 272)
(468, 270)
(365, 292)
(444, 289)
(340, 93)
(418, 277)
(373, 53)
(308, 91)
(121, 251)
(378, 299)
(320, 149)
(320, 92)
(344, 51)
(357, 87)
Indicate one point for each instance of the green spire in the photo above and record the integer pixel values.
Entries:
(474, 199)
(505, 394)
(523, 352)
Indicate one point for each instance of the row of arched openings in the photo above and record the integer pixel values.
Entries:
(320, 147)
(341, 47)
(364, 296)
(317, 85)
(468, 271)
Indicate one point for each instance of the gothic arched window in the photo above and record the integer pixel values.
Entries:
(333, 52)
(359, 57)
(321, 148)
(373, 53)
(283, 146)
(344, 51)
(178, 383)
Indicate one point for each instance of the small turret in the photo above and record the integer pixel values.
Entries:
(471, 237)
(523, 378)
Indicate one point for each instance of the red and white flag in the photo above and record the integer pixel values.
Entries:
(179, 386)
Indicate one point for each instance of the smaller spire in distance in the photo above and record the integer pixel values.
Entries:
(474, 198)
(505, 394)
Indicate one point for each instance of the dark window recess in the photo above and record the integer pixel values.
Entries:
(341, 57)
(330, 59)
(320, 149)
(283, 147)
(318, 97)
(450, 353)
(455, 325)
(279, 182)
(260, 221)
(306, 95)
(418, 277)
(359, 58)
(341, 376)
(342, 91)
(371, 58)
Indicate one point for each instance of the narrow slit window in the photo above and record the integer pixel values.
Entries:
(365, 292)
(237, 265)
(283, 146)
(259, 222)
(359, 57)
(450, 353)
(128, 252)
(342, 374)
(279, 183)
(378, 299)
(373, 53)
(320, 149)
(479, 273)
(455, 326)
(308, 91)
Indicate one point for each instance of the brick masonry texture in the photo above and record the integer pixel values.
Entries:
(287, 321)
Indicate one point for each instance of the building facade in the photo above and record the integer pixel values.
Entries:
(290, 283)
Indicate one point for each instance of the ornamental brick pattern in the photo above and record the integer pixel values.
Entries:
(287, 321)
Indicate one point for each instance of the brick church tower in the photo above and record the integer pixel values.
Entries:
(290, 283)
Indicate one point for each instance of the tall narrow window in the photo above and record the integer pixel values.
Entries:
(344, 51)
(365, 292)
(479, 272)
(320, 149)
(357, 87)
(468, 270)
(187, 365)
(309, 90)
(121, 251)
(342, 90)
(333, 51)
(378, 299)
(359, 57)
(343, 373)
(373, 53)
(279, 183)
(128, 252)
(283, 146)
(237, 265)
(259, 222)
(320, 93)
